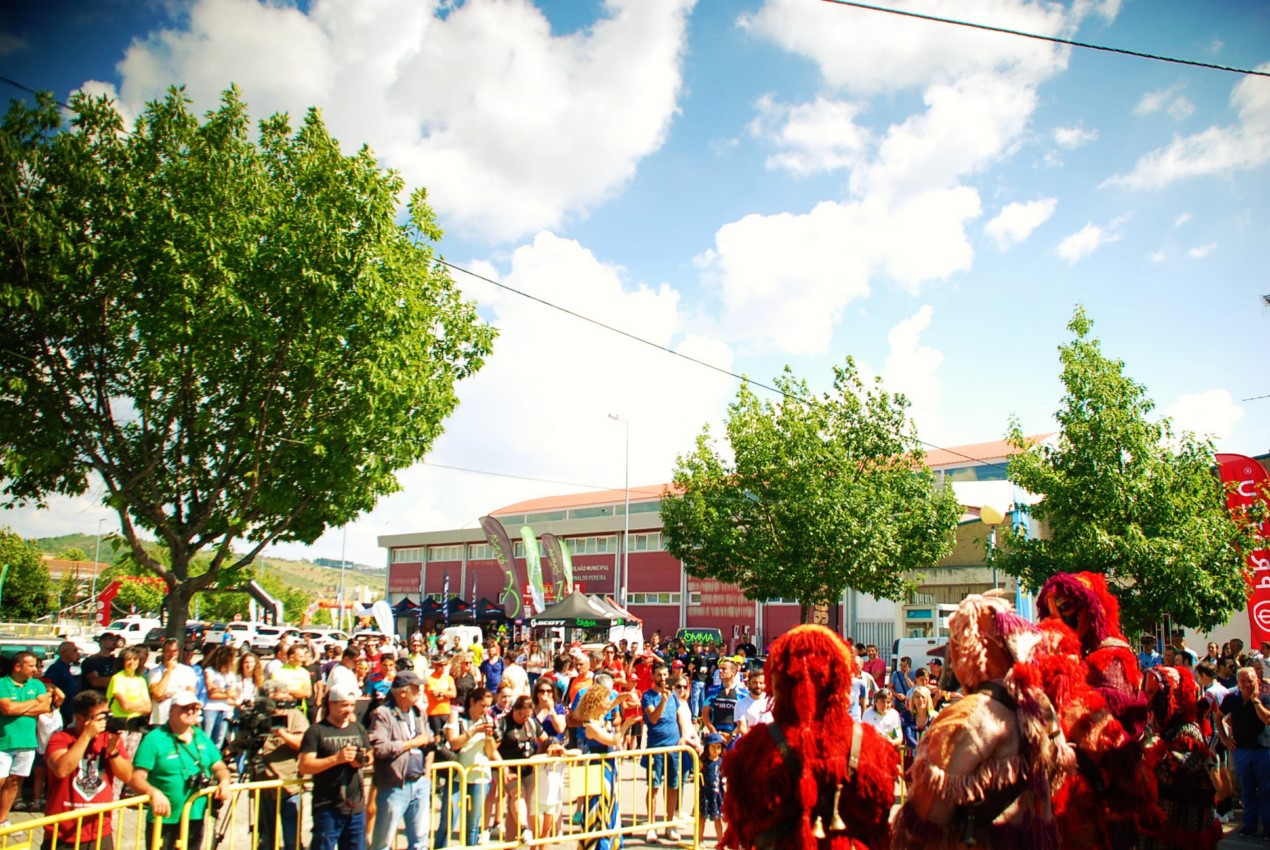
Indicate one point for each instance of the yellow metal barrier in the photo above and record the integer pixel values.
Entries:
(582, 798)
(126, 820)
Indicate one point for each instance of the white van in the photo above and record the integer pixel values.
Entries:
(133, 629)
(917, 649)
(461, 637)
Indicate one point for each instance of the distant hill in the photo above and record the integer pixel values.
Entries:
(335, 563)
(313, 578)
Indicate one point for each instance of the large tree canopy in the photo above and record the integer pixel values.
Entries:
(823, 493)
(27, 588)
(236, 336)
(1126, 497)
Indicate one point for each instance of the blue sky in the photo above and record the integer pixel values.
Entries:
(755, 183)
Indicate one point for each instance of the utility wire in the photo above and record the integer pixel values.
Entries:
(674, 353)
(518, 477)
(1050, 38)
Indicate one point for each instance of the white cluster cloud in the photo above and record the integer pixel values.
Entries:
(913, 369)
(1079, 245)
(1213, 413)
(1016, 221)
(1170, 101)
(784, 279)
(1071, 138)
(512, 128)
(1216, 151)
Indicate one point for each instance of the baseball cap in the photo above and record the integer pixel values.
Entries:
(405, 679)
(712, 738)
(184, 698)
(343, 693)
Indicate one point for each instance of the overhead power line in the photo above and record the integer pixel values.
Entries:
(1050, 38)
(667, 350)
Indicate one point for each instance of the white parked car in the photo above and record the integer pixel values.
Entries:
(133, 629)
(267, 637)
(241, 634)
(321, 637)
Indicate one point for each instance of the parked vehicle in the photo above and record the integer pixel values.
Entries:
(461, 637)
(44, 648)
(241, 634)
(267, 638)
(133, 629)
(212, 632)
(195, 636)
(920, 650)
(321, 637)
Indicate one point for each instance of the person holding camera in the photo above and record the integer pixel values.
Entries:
(334, 751)
(403, 747)
(173, 763)
(278, 743)
(83, 763)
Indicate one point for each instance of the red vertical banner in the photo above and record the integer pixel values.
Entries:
(1247, 483)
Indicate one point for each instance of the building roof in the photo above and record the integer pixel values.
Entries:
(955, 456)
(645, 493)
(961, 455)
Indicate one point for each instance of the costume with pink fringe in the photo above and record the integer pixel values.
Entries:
(984, 773)
(813, 779)
(1178, 755)
(1091, 675)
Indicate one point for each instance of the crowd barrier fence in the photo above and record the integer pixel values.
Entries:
(571, 798)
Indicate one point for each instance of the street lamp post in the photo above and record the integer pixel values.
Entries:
(991, 517)
(340, 601)
(624, 574)
(92, 609)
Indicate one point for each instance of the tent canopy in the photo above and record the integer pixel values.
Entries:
(576, 610)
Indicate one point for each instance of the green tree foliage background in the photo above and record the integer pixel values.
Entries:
(1127, 497)
(814, 495)
(27, 591)
(235, 336)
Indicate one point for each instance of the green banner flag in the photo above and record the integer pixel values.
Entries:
(533, 567)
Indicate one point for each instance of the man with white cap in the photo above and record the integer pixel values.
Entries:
(334, 751)
(173, 763)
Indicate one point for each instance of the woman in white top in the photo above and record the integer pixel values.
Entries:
(883, 717)
(472, 738)
(222, 692)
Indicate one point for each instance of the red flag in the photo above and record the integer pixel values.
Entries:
(1248, 483)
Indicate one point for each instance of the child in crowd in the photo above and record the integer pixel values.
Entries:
(711, 787)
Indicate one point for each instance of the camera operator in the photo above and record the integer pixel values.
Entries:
(334, 751)
(276, 730)
(83, 763)
(403, 759)
(173, 763)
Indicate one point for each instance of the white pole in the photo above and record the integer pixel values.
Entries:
(624, 573)
(96, 560)
(343, 549)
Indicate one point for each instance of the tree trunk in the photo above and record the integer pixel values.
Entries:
(804, 612)
(177, 609)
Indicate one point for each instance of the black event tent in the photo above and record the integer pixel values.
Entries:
(575, 611)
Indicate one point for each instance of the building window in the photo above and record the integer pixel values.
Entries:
(518, 548)
(445, 553)
(480, 552)
(412, 555)
(650, 542)
(592, 545)
(694, 597)
(654, 598)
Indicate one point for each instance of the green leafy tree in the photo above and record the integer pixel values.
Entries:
(823, 493)
(1126, 497)
(236, 336)
(137, 591)
(75, 554)
(27, 590)
(223, 605)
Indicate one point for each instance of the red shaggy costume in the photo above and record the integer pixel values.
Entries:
(818, 779)
(1180, 758)
(985, 771)
(1091, 675)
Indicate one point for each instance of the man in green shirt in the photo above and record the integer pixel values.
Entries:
(23, 697)
(172, 763)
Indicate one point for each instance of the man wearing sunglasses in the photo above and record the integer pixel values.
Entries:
(83, 763)
(173, 763)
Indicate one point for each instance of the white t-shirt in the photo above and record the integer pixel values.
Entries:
(183, 679)
(888, 724)
(755, 710)
(341, 675)
(223, 682)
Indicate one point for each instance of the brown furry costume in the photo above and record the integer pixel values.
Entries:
(984, 773)
(785, 801)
